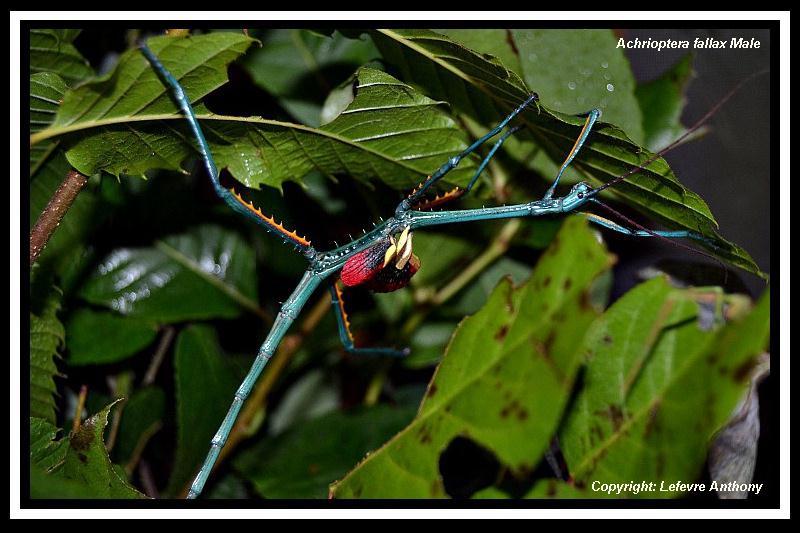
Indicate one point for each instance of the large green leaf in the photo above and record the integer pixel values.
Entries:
(79, 469)
(301, 67)
(121, 337)
(46, 337)
(485, 90)
(128, 124)
(52, 51)
(504, 379)
(208, 272)
(657, 387)
(497, 42)
(204, 386)
(576, 70)
(302, 462)
(45, 451)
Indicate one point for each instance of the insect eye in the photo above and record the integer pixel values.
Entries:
(580, 195)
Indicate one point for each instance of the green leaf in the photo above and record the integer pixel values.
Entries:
(428, 344)
(555, 488)
(46, 92)
(574, 71)
(45, 451)
(52, 51)
(46, 337)
(300, 67)
(389, 132)
(121, 337)
(141, 419)
(133, 88)
(313, 395)
(472, 297)
(133, 92)
(504, 379)
(662, 101)
(86, 462)
(204, 387)
(46, 486)
(485, 90)
(303, 461)
(208, 272)
(657, 387)
(496, 42)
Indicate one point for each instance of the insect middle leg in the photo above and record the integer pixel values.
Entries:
(458, 192)
(346, 335)
(451, 163)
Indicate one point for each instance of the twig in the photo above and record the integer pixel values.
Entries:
(496, 249)
(373, 393)
(141, 444)
(147, 479)
(258, 398)
(158, 356)
(76, 419)
(121, 388)
(54, 211)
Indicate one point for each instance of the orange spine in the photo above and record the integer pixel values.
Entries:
(278, 226)
(345, 318)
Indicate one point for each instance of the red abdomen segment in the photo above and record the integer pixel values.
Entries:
(366, 269)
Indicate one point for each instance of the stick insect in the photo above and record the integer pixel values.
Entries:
(383, 260)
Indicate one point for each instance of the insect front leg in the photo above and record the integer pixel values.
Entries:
(591, 118)
(610, 224)
(346, 336)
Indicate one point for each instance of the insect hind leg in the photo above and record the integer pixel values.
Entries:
(229, 196)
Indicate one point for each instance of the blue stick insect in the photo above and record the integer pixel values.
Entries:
(383, 259)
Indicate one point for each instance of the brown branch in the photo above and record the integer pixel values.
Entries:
(55, 210)
(158, 357)
(76, 420)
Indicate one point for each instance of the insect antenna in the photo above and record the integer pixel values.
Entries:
(652, 233)
(677, 142)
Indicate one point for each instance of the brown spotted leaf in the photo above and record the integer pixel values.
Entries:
(82, 467)
(658, 385)
(504, 379)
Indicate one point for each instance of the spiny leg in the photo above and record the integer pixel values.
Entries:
(458, 192)
(229, 196)
(591, 118)
(288, 312)
(346, 335)
(451, 163)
